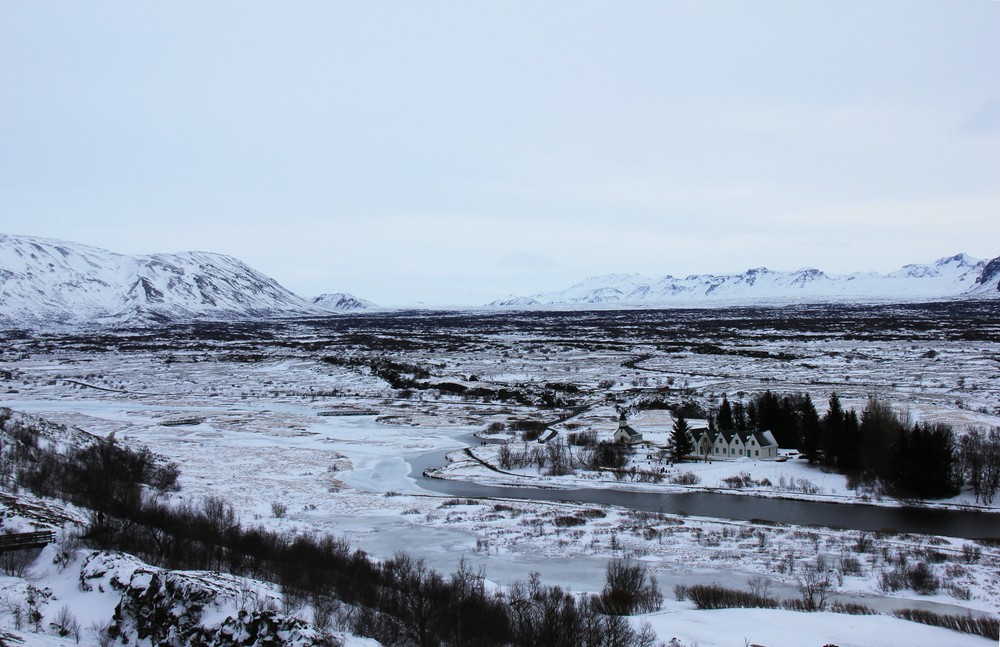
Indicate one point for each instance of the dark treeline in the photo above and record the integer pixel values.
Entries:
(911, 460)
(397, 602)
(96, 473)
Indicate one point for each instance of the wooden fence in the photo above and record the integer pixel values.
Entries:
(23, 540)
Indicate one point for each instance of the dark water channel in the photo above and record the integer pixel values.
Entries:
(966, 524)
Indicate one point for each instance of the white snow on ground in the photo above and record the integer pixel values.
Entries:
(260, 439)
(778, 628)
(790, 477)
(86, 589)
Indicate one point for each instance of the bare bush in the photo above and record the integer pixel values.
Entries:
(892, 580)
(850, 565)
(814, 588)
(987, 627)
(960, 592)
(971, 553)
(922, 579)
(101, 631)
(12, 603)
(759, 586)
(16, 562)
(65, 624)
(629, 588)
(713, 596)
(66, 547)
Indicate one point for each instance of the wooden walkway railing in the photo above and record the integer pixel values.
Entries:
(26, 540)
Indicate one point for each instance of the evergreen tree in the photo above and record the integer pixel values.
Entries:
(833, 431)
(923, 462)
(724, 420)
(880, 428)
(681, 444)
(741, 421)
(849, 445)
(809, 429)
(770, 415)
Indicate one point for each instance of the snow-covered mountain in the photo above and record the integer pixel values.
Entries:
(953, 276)
(340, 302)
(988, 283)
(50, 282)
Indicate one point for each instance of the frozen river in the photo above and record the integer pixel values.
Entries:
(966, 524)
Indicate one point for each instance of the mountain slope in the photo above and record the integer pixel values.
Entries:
(953, 276)
(988, 281)
(340, 302)
(45, 282)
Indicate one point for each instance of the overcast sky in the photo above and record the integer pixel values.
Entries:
(454, 153)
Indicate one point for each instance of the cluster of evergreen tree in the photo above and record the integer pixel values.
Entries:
(919, 460)
(792, 418)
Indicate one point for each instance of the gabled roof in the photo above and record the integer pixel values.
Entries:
(628, 430)
(765, 438)
(727, 435)
(704, 434)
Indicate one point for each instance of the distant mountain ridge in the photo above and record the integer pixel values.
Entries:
(958, 276)
(52, 282)
(341, 302)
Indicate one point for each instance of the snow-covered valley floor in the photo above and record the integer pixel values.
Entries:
(258, 418)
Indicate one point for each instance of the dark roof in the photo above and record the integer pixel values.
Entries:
(763, 440)
(628, 430)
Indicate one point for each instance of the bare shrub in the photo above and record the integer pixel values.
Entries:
(971, 553)
(739, 481)
(583, 438)
(814, 588)
(922, 579)
(629, 588)
(987, 627)
(66, 547)
(12, 603)
(325, 612)
(494, 428)
(850, 565)
(102, 633)
(960, 592)
(685, 478)
(759, 586)
(713, 596)
(65, 624)
(852, 608)
(279, 509)
(505, 457)
(293, 600)
(893, 579)
(567, 521)
(16, 562)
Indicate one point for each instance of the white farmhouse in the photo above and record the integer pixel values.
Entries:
(734, 444)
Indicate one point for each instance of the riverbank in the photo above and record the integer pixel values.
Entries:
(790, 479)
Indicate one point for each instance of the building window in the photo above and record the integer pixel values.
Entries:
(756, 452)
